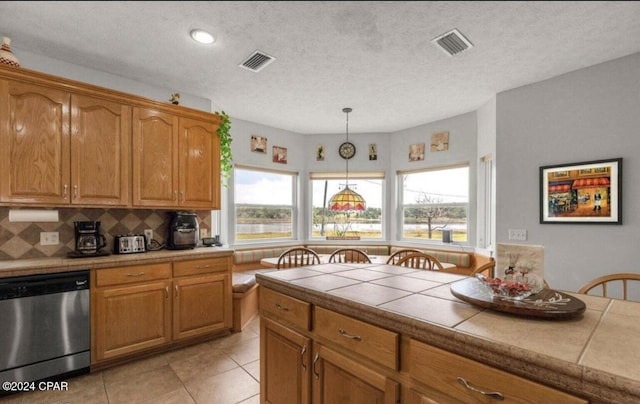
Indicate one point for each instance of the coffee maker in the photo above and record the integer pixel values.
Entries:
(89, 240)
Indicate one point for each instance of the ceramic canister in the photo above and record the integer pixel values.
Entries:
(6, 57)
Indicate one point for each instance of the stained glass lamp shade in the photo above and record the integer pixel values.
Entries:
(346, 200)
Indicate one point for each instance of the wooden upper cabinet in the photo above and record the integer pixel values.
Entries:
(155, 158)
(100, 150)
(176, 161)
(34, 144)
(199, 148)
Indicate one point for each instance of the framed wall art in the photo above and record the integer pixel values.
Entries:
(373, 152)
(258, 144)
(320, 152)
(416, 152)
(587, 192)
(440, 141)
(279, 154)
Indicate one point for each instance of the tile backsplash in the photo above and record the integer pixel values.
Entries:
(21, 240)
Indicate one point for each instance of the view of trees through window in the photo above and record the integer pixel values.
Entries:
(365, 224)
(434, 201)
(264, 204)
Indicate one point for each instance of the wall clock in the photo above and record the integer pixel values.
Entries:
(347, 150)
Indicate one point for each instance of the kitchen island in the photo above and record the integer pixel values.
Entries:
(381, 332)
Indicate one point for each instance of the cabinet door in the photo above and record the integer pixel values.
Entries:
(155, 158)
(129, 319)
(199, 165)
(100, 148)
(201, 305)
(338, 379)
(284, 364)
(34, 144)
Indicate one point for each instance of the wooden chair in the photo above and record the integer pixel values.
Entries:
(396, 256)
(421, 261)
(603, 281)
(297, 257)
(349, 255)
(487, 269)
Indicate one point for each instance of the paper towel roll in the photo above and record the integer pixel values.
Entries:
(33, 215)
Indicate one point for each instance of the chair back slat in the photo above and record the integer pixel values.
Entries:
(421, 261)
(297, 257)
(604, 281)
(353, 255)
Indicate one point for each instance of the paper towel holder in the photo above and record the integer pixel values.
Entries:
(33, 215)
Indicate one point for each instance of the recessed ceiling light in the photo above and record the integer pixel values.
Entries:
(201, 36)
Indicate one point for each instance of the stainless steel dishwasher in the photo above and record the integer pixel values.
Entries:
(44, 326)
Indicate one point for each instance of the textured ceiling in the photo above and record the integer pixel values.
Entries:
(376, 57)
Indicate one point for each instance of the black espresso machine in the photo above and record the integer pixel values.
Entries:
(184, 231)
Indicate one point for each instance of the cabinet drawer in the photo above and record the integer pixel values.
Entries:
(441, 370)
(375, 343)
(285, 308)
(132, 274)
(202, 266)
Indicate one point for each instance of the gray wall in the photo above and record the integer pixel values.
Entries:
(589, 114)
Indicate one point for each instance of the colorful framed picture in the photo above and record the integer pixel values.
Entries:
(587, 192)
(258, 144)
(440, 141)
(416, 152)
(279, 154)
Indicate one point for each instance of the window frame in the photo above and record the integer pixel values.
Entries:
(295, 178)
(353, 176)
(401, 206)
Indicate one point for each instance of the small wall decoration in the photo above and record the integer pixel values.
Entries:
(373, 152)
(279, 154)
(258, 144)
(523, 263)
(320, 152)
(175, 99)
(587, 192)
(440, 141)
(416, 152)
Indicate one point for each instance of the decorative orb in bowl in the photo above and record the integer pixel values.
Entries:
(510, 289)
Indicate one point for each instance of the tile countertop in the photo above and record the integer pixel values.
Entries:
(595, 355)
(64, 264)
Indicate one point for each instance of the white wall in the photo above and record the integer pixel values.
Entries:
(589, 114)
(71, 71)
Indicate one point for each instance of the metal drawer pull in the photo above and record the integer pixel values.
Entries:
(493, 394)
(203, 266)
(345, 334)
(315, 360)
(279, 307)
(136, 274)
(304, 349)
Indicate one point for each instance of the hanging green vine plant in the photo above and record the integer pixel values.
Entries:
(225, 147)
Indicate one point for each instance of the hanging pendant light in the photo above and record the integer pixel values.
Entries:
(347, 199)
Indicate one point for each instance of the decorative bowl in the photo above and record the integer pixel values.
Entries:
(506, 289)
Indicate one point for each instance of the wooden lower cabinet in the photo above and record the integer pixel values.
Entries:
(140, 307)
(357, 362)
(201, 305)
(284, 364)
(339, 379)
(131, 318)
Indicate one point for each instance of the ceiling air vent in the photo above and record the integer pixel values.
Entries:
(257, 61)
(452, 42)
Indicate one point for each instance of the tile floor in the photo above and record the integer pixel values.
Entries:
(222, 371)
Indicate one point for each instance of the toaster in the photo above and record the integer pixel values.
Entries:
(184, 231)
(129, 244)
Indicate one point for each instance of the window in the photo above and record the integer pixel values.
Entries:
(435, 200)
(365, 224)
(264, 204)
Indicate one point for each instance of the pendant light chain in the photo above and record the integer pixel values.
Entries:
(347, 110)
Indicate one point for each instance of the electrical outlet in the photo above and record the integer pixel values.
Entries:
(49, 238)
(203, 233)
(148, 233)
(518, 234)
